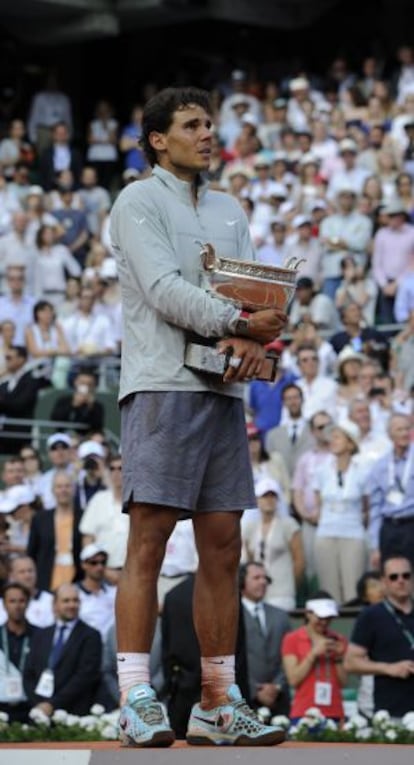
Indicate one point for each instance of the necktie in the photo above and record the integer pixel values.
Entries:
(259, 616)
(57, 647)
(293, 436)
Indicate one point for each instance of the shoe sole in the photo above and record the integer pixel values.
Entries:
(159, 739)
(268, 739)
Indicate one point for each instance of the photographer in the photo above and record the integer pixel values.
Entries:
(91, 476)
(81, 408)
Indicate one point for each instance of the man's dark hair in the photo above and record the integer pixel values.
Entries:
(292, 386)
(361, 587)
(20, 350)
(393, 556)
(16, 586)
(159, 112)
(244, 567)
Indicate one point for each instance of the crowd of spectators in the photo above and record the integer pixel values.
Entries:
(324, 170)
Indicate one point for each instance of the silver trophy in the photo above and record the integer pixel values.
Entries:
(251, 287)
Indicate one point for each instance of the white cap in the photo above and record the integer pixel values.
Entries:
(89, 551)
(299, 83)
(279, 190)
(347, 144)
(322, 607)
(58, 438)
(90, 449)
(240, 169)
(35, 191)
(351, 430)
(108, 269)
(346, 188)
(301, 220)
(349, 354)
(267, 486)
(250, 119)
(309, 159)
(19, 495)
(318, 204)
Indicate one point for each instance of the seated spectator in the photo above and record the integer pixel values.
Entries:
(16, 305)
(264, 400)
(45, 338)
(22, 570)
(265, 627)
(70, 302)
(319, 391)
(380, 643)
(18, 397)
(55, 540)
(97, 596)
(277, 543)
(274, 251)
(307, 332)
(19, 506)
(313, 661)
(15, 641)
(88, 334)
(308, 304)
(75, 225)
(356, 287)
(54, 264)
(95, 200)
(372, 444)
(404, 298)
(392, 258)
(304, 500)
(17, 252)
(369, 590)
(59, 455)
(340, 543)
(12, 473)
(63, 667)
(60, 155)
(38, 215)
(92, 474)
(7, 333)
(103, 522)
(81, 407)
(292, 437)
(33, 469)
(305, 247)
(15, 148)
(362, 339)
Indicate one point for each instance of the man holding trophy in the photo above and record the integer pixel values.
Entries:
(184, 444)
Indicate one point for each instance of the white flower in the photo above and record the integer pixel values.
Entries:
(314, 712)
(363, 734)
(72, 720)
(88, 722)
(60, 716)
(25, 726)
(408, 721)
(111, 717)
(293, 731)
(109, 732)
(39, 717)
(309, 722)
(263, 713)
(409, 726)
(97, 710)
(331, 725)
(382, 716)
(4, 717)
(280, 721)
(358, 722)
(391, 734)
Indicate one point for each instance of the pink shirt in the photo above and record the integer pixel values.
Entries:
(393, 254)
(305, 470)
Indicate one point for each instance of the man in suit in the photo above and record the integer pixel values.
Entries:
(293, 436)
(18, 396)
(63, 669)
(61, 155)
(264, 627)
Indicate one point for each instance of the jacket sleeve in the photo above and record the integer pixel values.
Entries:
(87, 673)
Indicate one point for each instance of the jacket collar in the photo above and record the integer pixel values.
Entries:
(182, 189)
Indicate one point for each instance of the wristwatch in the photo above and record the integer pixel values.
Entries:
(242, 325)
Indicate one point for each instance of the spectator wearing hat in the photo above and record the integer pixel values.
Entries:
(55, 540)
(351, 176)
(19, 505)
(304, 500)
(80, 410)
(265, 627)
(91, 477)
(58, 453)
(305, 249)
(342, 511)
(239, 94)
(103, 522)
(392, 258)
(22, 569)
(348, 370)
(18, 397)
(97, 596)
(130, 175)
(343, 232)
(276, 542)
(292, 436)
(312, 305)
(313, 660)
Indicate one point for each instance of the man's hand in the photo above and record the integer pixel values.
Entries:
(401, 669)
(250, 355)
(267, 693)
(265, 326)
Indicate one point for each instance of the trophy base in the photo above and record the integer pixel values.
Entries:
(205, 358)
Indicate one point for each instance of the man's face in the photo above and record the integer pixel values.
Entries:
(267, 503)
(400, 432)
(185, 148)
(13, 473)
(67, 603)
(255, 584)
(115, 469)
(292, 400)
(361, 415)
(14, 362)
(15, 280)
(397, 579)
(15, 603)
(95, 567)
(308, 363)
(320, 428)
(304, 295)
(59, 455)
(63, 489)
(23, 570)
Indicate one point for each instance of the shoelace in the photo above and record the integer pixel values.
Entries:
(245, 709)
(152, 715)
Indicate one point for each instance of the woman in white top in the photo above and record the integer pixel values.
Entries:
(45, 338)
(276, 542)
(340, 543)
(102, 140)
(54, 263)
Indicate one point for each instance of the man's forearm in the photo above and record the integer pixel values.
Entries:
(359, 665)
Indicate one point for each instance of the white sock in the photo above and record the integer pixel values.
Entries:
(217, 674)
(133, 668)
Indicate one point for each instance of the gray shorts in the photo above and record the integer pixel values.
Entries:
(186, 450)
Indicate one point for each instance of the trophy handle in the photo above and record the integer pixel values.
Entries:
(208, 256)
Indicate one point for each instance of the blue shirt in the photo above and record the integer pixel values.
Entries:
(265, 399)
(384, 483)
(134, 158)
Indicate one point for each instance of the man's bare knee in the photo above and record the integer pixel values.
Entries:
(149, 531)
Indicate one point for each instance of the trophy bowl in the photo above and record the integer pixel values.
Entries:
(250, 286)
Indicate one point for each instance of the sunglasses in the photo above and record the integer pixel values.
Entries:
(394, 577)
(322, 427)
(96, 562)
(112, 468)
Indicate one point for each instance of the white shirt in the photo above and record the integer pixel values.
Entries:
(341, 506)
(98, 608)
(104, 520)
(39, 611)
(180, 554)
(319, 395)
(91, 333)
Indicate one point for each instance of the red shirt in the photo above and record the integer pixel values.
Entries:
(299, 644)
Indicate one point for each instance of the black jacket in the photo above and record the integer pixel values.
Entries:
(77, 673)
(41, 546)
(20, 402)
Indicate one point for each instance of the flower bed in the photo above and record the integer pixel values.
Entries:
(97, 726)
